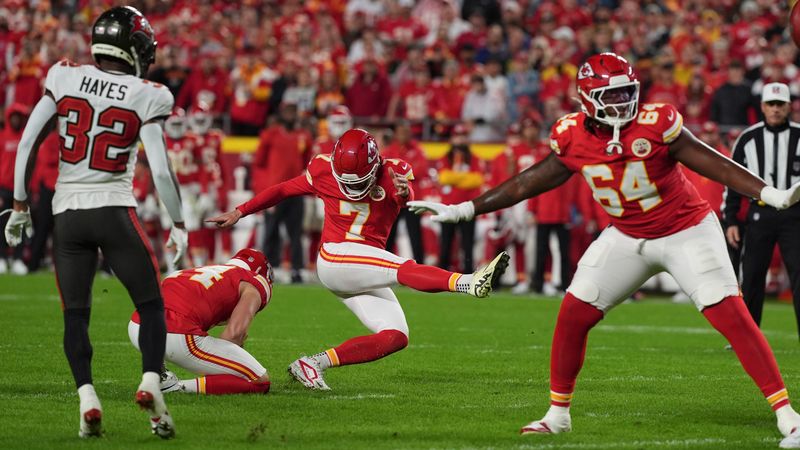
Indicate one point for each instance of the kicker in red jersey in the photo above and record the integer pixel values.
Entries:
(198, 299)
(642, 189)
(365, 221)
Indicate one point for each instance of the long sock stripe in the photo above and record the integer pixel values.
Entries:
(451, 283)
(560, 397)
(333, 357)
(778, 396)
(200, 354)
(367, 260)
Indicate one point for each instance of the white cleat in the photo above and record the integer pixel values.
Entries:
(91, 423)
(487, 278)
(170, 382)
(550, 424)
(19, 268)
(792, 440)
(308, 372)
(150, 399)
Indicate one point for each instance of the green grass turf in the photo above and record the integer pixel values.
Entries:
(656, 376)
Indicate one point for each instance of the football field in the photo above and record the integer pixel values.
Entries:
(656, 376)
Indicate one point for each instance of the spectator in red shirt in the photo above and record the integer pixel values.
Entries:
(283, 151)
(369, 94)
(405, 148)
(16, 117)
(252, 86)
(413, 100)
(460, 178)
(551, 213)
(711, 191)
(207, 84)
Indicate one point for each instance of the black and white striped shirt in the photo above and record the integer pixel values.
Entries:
(771, 153)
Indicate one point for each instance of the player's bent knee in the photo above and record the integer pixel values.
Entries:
(396, 339)
(584, 290)
(712, 293)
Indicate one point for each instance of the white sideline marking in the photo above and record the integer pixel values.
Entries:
(17, 297)
(359, 397)
(637, 444)
(647, 329)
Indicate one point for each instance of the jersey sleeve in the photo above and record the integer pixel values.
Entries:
(400, 168)
(318, 165)
(668, 122)
(561, 134)
(160, 104)
(55, 75)
(263, 287)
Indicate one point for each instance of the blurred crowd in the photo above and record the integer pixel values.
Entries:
(456, 71)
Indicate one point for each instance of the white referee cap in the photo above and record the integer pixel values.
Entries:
(775, 92)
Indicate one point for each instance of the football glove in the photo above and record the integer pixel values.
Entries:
(18, 221)
(461, 212)
(179, 238)
(779, 198)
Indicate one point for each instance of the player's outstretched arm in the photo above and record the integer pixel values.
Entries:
(541, 177)
(152, 136)
(40, 124)
(706, 161)
(242, 315)
(267, 198)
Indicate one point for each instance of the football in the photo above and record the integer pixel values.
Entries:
(794, 23)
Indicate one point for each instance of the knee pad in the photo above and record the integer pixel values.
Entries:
(584, 290)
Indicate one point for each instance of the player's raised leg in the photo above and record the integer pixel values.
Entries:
(75, 264)
(127, 249)
(610, 270)
(376, 268)
(701, 267)
(382, 314)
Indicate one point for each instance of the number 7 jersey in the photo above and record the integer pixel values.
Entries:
(643, 191)
(99, 117)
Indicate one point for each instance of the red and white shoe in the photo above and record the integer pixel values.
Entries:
(91, 423)
(307, 371)
(150, 399)
(549, 424)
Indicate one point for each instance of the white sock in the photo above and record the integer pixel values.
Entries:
(323, 360)
(189, 385)
(88, 396)
(151, 380)
(556, 411)
(462, 284)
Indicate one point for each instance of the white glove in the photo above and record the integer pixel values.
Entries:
(179, 238)
(17, 222)
(779, 198)
(461, 212)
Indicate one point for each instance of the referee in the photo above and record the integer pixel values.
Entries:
(769, 149)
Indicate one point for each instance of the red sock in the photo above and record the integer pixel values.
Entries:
(230, 384)
(731, 318)
(426, 278)
(369, 348)
(575, 319)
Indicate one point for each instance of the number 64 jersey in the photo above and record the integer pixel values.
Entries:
(643, 191)
(99, 117)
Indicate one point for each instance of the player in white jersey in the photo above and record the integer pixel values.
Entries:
(102, 112)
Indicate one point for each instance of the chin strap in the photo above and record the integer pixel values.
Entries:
(614, 144)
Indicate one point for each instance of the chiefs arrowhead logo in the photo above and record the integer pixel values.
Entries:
(585, 72)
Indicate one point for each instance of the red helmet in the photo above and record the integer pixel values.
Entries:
(608, 89)
(339, 121)
(355, 162)
(254, 261)
(177, 124)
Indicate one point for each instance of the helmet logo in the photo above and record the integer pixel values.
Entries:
(641, 147)
(372, 151)
(586, 71)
